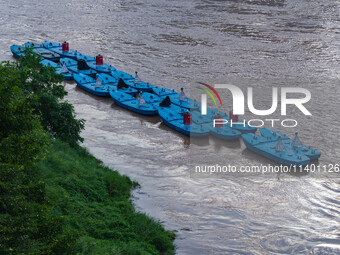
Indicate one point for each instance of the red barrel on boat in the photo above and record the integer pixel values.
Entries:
(187, 118)
(218, 121)
(99, 60)
(65, 47)
(233, 117)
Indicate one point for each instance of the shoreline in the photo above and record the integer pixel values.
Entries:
(56, 197)
(72, 171)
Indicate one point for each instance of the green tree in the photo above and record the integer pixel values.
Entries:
(26, 223)
(22, 136)
(57, 115)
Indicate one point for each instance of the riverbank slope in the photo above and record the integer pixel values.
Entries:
(95, 203)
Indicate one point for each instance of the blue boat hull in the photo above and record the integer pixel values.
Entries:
(144, 87)
(267, 155)
(67, 76)
(244, 128)
(88, 84)
(143, 112)
(132, 104)
(72, 66)
(187, 132)
(209, 118)
(39, 50)
(279, 158)
(93, 91)
(17, 51)
(233, 135)
(188, 104)
(63, 54)
(57, 48)
(120, 74)
(170, 125)
(273, 135)
(90, 72)
(100, 68)
(163, 92)
(172, 116)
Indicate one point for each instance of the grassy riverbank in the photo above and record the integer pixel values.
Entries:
(94, 201)
(55, 197)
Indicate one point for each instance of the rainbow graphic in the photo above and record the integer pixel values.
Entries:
(209, 93)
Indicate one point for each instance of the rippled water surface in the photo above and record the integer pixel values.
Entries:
(174, 44)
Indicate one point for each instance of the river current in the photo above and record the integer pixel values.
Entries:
(175, 44)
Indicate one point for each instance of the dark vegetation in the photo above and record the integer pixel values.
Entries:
(56, 198)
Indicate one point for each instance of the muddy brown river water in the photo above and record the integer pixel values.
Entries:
(174, 44)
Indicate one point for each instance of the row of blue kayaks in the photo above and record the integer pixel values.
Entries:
(175, 109)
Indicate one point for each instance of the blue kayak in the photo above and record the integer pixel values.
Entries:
(209, 119)
(172, 116)
(243, 127)
(120, 74)
(67, 74)
(174, 111)
(133, 82)
(274, 150)
(85, 57)
(114, 85)
(78, 66)
(131, 103)
(17, 51)
(130, 81)
(41, 51)
(87, 83)
(151, 98)
(104, 68)
(187, 103)
(142, 86)
(224, 132)
(201, 119)
(163, 92)
(136, 83)
(106, 79)
(107, 83)
(177, 99)
(295, 144)
(57, 48)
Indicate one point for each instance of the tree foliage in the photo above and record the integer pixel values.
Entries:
(27, 225)
(57, 115)
(56, 198)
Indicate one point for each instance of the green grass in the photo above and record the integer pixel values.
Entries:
(95, 204)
